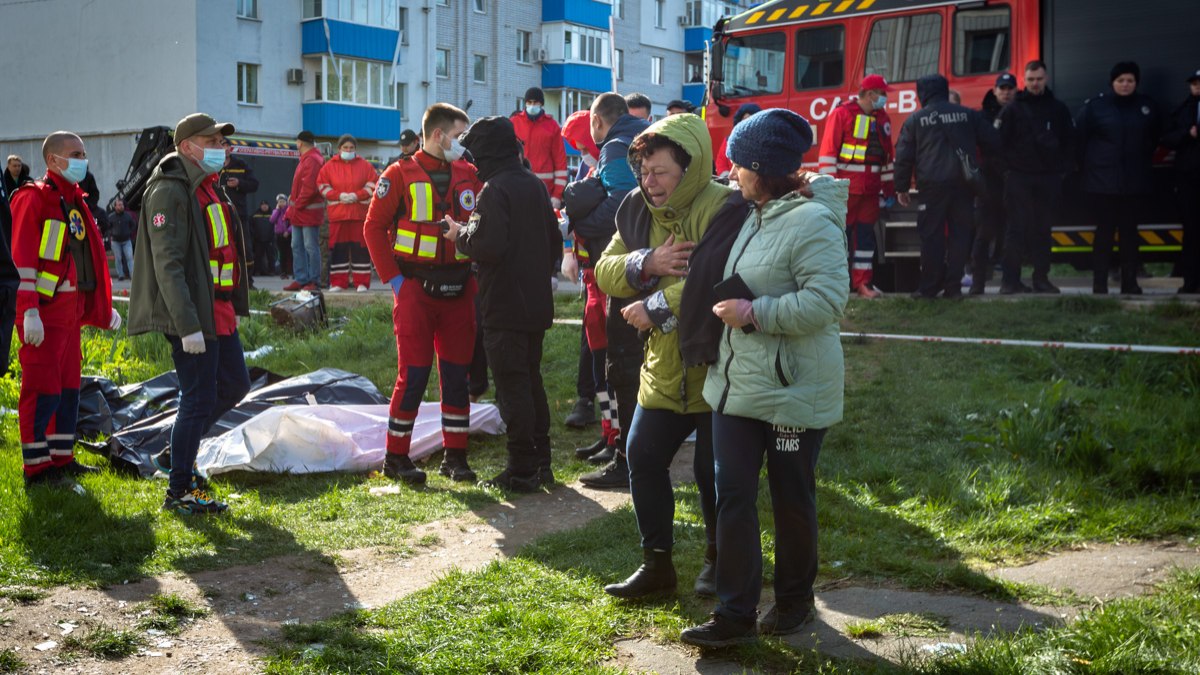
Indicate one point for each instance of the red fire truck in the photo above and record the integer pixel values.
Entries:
(809, 55)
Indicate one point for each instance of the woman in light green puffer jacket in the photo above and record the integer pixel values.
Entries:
(777, 384)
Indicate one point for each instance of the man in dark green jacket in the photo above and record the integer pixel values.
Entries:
(189, 284)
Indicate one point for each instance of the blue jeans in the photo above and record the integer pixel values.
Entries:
(123, 258)
(306, 254)
(739, 444)
(209, 385)
(654, 438)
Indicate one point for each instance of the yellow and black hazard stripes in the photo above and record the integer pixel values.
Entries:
(1154, 239)
(783, 12)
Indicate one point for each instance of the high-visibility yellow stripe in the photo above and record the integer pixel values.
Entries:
(428, 247)
(405, 241)
(1089, 237)
(777, 13)
(47, 283)
(1152, 237)
(1062, 238)
(215, 270)
(53, 232)
(865, 4)
(844, 6)
(821, 8)
(862, 126)
(422, 202)
(798, 11)
(220, 228)
(226, 279)
(754, 17)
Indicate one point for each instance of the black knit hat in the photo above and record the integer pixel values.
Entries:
(347, 138)
(534, 94)
(771, 142)
(1125, 67)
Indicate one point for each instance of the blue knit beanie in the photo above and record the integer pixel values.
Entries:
(771, 142)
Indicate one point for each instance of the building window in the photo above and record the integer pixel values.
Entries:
(619, 66)
(380, 13)
(247, 83)
(402, 100)
(660, 11)
(904, 48)
(820, 57)
(402, 23)
(588, 45)
(619, 9)
(247, 9)
(480, 6)
(573, 101)
(524, 41)
(443, 3)
(443, 63)
(479, 68)
(358, 82)
(656, 68)
(693, 68)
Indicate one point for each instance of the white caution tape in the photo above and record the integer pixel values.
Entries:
(999, 342)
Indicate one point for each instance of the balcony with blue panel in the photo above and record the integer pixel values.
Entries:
(576, 76)
(335, 119)
(582, 12)
(694, 93)
(695, 37)
(349, 39)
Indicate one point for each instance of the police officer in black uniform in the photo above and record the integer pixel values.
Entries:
(1183, 135)
(989, 208)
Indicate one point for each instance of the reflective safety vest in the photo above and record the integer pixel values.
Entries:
(221, 253)
(855, 148)
(419, 223)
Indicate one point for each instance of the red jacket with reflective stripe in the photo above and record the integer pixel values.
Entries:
(393, 204)
(866, 177)
(356, 177)
(32, 205)
(544, 150)
(306, 205)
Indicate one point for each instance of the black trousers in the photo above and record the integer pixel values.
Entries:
(739, 444)
(264, 257)
(8, 315)
(516, 361)
(945, 223)
(1115, 214)
(989, 228)
(1187, 190)
(1032, 202)
(477, 376)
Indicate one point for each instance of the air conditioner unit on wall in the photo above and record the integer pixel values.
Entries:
(295, 76)
(539, 56)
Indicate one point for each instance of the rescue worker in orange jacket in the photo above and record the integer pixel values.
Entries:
(434, 290)
(858, 146)
(347, 182)
(542, 139)
(64, 285)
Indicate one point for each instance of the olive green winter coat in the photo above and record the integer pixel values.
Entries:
(687, 214)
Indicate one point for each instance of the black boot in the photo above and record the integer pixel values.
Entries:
(584, 453)
(401, 468)
(583, 414)
(615, 474)
(656, 576)
(606, 455)
(454, 466)
(706, 581)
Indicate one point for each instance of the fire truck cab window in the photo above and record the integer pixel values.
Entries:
(753, 65)
(904, 48)
(981, 41)
(820, 57)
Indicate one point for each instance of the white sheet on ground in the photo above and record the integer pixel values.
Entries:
(314, 438)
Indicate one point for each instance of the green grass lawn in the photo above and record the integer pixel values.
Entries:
(951, 458)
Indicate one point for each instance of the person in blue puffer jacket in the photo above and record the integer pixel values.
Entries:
(778, 382)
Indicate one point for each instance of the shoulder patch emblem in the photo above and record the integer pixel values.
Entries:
(75, 224)
(1145, 110)
(887, 128)
(382, 188)
(467, 200)
(158, 221)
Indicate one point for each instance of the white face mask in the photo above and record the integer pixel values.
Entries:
(347, 156)
(455, 151)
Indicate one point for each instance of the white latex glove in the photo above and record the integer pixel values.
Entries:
(556, 203)
(194, 343)
(570, 267)
(114, 322)
(347, 198)
(35, 333)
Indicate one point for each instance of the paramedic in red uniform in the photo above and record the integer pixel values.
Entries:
(64, 285)
(346, 182)
(434, 290)
(858, 146)
(542, 139)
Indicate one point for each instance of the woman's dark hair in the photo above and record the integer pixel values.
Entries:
(778, 186)
(647, 144)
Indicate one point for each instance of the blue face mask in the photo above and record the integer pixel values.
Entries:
(214, 159)
(76, 169)
(881, 102)
(533, 110)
